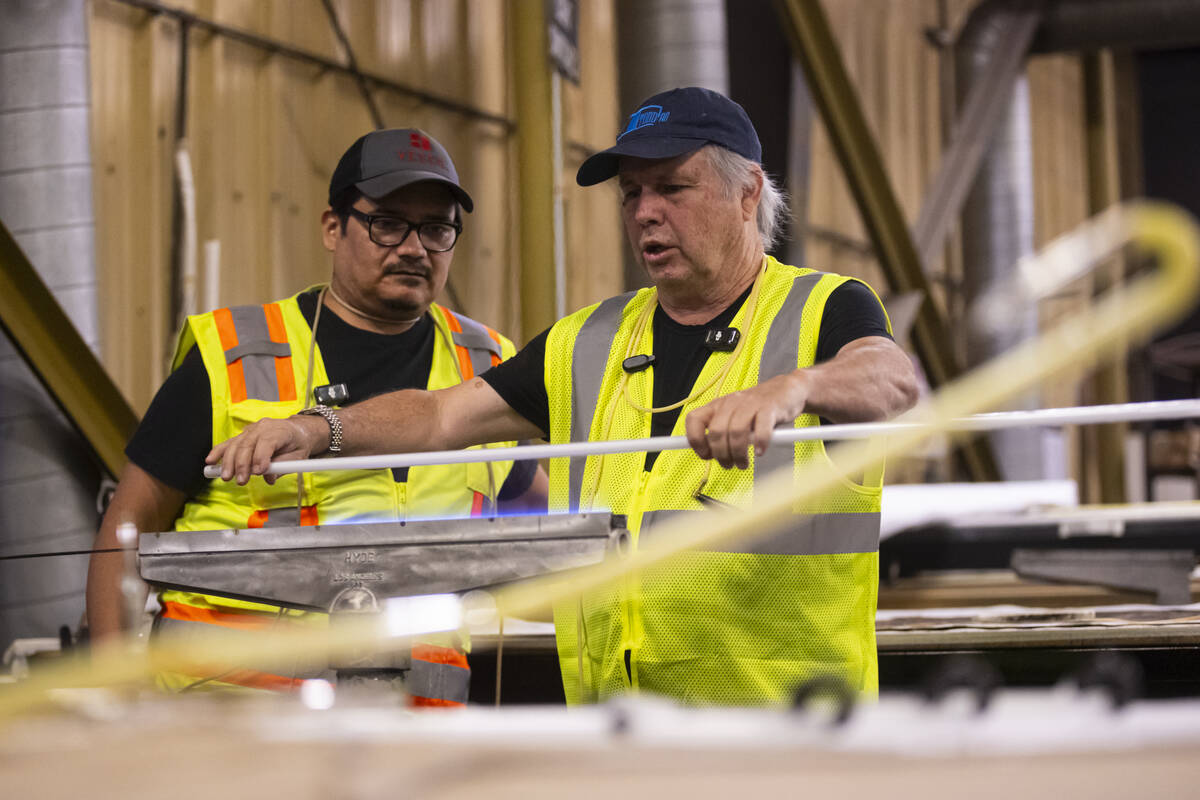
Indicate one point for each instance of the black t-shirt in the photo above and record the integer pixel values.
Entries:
(851, 312)
(176, 433)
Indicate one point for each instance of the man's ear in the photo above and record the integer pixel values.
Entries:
(331, 229)
(751, 195)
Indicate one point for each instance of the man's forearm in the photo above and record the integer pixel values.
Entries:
(415, 420)
(411, 420)
(866, 383)
(105, 606)
(147, 504)
(382, 424)
(397, 422)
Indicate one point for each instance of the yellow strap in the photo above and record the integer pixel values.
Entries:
(640, 327)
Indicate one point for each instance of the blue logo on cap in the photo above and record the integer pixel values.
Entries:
(645, 117)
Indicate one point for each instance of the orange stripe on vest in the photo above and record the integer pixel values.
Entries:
(229, 340)
(259, 518)
(284, 376)
(495, 338)
(464, 355)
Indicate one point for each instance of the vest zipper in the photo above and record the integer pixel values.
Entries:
(401, 501)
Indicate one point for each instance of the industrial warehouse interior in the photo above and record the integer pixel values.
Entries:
(529, 398)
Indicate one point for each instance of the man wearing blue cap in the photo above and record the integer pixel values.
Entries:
(728, 344)
(395, 214)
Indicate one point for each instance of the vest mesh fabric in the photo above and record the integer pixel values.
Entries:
(709, 627)
(339, 496)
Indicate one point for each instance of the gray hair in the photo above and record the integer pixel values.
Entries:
(737, 172)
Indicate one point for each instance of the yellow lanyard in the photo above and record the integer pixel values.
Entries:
(639, 329)
(630, 350)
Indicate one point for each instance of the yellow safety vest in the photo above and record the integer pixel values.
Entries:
(256, 357)
(741, 626)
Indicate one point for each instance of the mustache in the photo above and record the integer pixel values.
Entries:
(412, 267)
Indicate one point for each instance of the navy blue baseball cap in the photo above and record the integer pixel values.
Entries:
(672, 123)
(381, 162)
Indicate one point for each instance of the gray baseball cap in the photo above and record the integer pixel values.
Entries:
(381, 162)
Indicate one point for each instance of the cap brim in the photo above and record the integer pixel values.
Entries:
(601, 166)
(382, 185)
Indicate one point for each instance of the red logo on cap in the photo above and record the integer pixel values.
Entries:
(420, 150)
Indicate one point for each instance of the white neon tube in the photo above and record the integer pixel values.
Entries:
(1077, 415)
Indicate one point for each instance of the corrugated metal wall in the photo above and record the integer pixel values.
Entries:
(265, 132)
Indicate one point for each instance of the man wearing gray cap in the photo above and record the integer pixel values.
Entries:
(727, 344)
(394, 216)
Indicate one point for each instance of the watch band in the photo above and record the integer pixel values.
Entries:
(335, 425)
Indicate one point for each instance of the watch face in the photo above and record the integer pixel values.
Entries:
(335, 394)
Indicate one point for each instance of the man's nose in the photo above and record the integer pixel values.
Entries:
(411, 245)
(648, 208)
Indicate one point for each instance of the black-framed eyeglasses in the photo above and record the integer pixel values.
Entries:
(390, 231)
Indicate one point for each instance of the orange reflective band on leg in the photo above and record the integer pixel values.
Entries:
(439, 655)
(248, 621)
(432, 702)
(229, 340)
(257, 680)
(433, 654)
(284, 376)
(257, 519)
(236, 624)
(308, 515)
(477, 505)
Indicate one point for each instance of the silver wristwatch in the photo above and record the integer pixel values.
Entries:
(335, 425)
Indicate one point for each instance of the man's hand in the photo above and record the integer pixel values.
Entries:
(253, 450)
(457, 416)
(870, 379)
(726, 428)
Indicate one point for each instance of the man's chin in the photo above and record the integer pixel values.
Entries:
(404, 305)
(667, 274)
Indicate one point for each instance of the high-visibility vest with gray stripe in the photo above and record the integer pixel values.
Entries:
(736, 624)
(256, 358)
